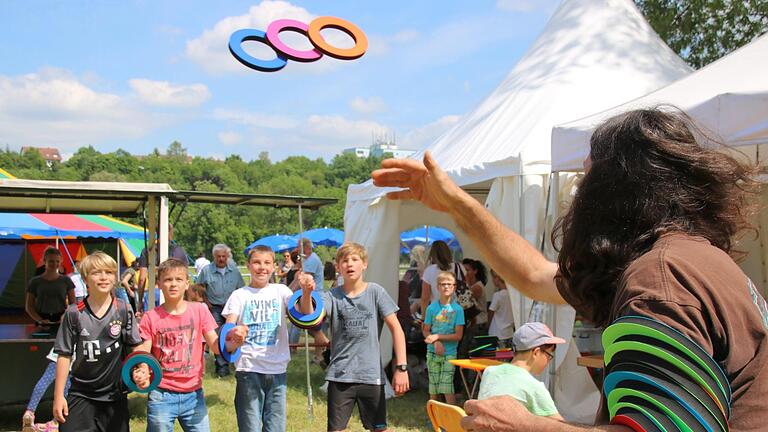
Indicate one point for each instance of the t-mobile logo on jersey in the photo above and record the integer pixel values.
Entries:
(91, 350)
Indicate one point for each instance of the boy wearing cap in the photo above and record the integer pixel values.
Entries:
(534, 346)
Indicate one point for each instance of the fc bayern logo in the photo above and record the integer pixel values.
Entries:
(114, 330)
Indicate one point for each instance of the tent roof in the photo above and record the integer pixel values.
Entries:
(728, 97)
(593, 54)
(49, 196)
(47, 226)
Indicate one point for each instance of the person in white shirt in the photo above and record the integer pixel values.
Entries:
(260, 394)
(500, 316)
(201, 262)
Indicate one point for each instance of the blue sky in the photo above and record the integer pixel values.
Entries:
(139, 74)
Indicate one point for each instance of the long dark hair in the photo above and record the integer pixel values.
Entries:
(440, 255)
(480, 272)
(648, 177)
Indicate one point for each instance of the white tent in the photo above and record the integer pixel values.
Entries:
(593, 54)
(728, 97)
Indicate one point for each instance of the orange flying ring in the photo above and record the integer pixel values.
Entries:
(320, 23)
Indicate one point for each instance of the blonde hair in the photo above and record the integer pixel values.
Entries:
(171, 264)
(445, 276)
(97, 261)
(419, 256)
(349, 249)
(262, 250)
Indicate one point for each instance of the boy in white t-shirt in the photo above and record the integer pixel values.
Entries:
(260, 395)
(500, 317)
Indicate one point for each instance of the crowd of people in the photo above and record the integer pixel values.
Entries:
(650, 232)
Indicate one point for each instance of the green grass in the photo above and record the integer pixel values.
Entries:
(405, 413)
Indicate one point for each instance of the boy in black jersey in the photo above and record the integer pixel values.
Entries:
(98, 332)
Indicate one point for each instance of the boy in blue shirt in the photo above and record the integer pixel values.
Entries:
(443, 329)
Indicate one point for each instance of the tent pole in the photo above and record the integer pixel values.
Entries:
(310, 410)
(151, 254)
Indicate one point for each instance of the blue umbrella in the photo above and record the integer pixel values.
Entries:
(409, 239)
(325, 236)
(278, 242)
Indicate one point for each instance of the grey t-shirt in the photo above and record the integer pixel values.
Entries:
(356, 324)
(50, 295)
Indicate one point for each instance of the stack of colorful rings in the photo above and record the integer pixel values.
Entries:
(313, 321)
(155, 371)
(231, 357)
(657, 379)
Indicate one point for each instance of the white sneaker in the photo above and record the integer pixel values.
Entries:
(28, 422)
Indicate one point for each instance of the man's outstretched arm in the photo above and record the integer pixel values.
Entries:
(510, 255)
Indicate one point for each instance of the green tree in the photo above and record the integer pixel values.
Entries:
(701, 31)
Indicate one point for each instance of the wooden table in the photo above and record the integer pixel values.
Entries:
(478, 365)
(23, 349)
(591, 361)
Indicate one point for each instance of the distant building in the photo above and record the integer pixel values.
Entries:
(49, 154)
(379, 147)
(361, 152)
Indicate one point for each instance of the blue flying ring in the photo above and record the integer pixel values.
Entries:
(154, 365)
(300, 317)
(236, 48)
(229, 357)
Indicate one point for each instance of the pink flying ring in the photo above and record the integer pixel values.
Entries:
(273, 36)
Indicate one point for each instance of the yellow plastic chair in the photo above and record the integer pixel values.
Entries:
(445, 417)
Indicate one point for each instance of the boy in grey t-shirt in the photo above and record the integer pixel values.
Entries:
(357, 310)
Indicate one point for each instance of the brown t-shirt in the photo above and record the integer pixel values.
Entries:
(697, 289)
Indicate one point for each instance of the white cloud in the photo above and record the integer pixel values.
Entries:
(230, 138)
(209, 50)
(164, 93)
(255, 119)
(54, 108)
(368, 106)
(422, 137)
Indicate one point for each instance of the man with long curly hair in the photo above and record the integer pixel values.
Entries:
(651, 232)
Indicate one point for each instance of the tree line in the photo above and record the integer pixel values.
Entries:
(199, 226)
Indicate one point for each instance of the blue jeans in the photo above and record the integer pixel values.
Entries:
(260, 402)
(164, 407)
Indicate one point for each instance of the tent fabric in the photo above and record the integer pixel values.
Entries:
(592, 54)
(728, 97)
(325, 237)
(50, 226)
(9, 257)
(278, 242)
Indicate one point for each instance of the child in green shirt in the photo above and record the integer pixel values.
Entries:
(534, 346)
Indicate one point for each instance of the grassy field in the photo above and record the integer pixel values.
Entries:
(406, 413)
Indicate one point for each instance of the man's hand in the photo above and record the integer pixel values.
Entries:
(141, 375)
(425, 181)
(60, 409)
(400, 382)
(236, 337)
(497, 414)
(431, 338)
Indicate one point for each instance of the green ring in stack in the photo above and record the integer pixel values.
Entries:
(671, 381)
